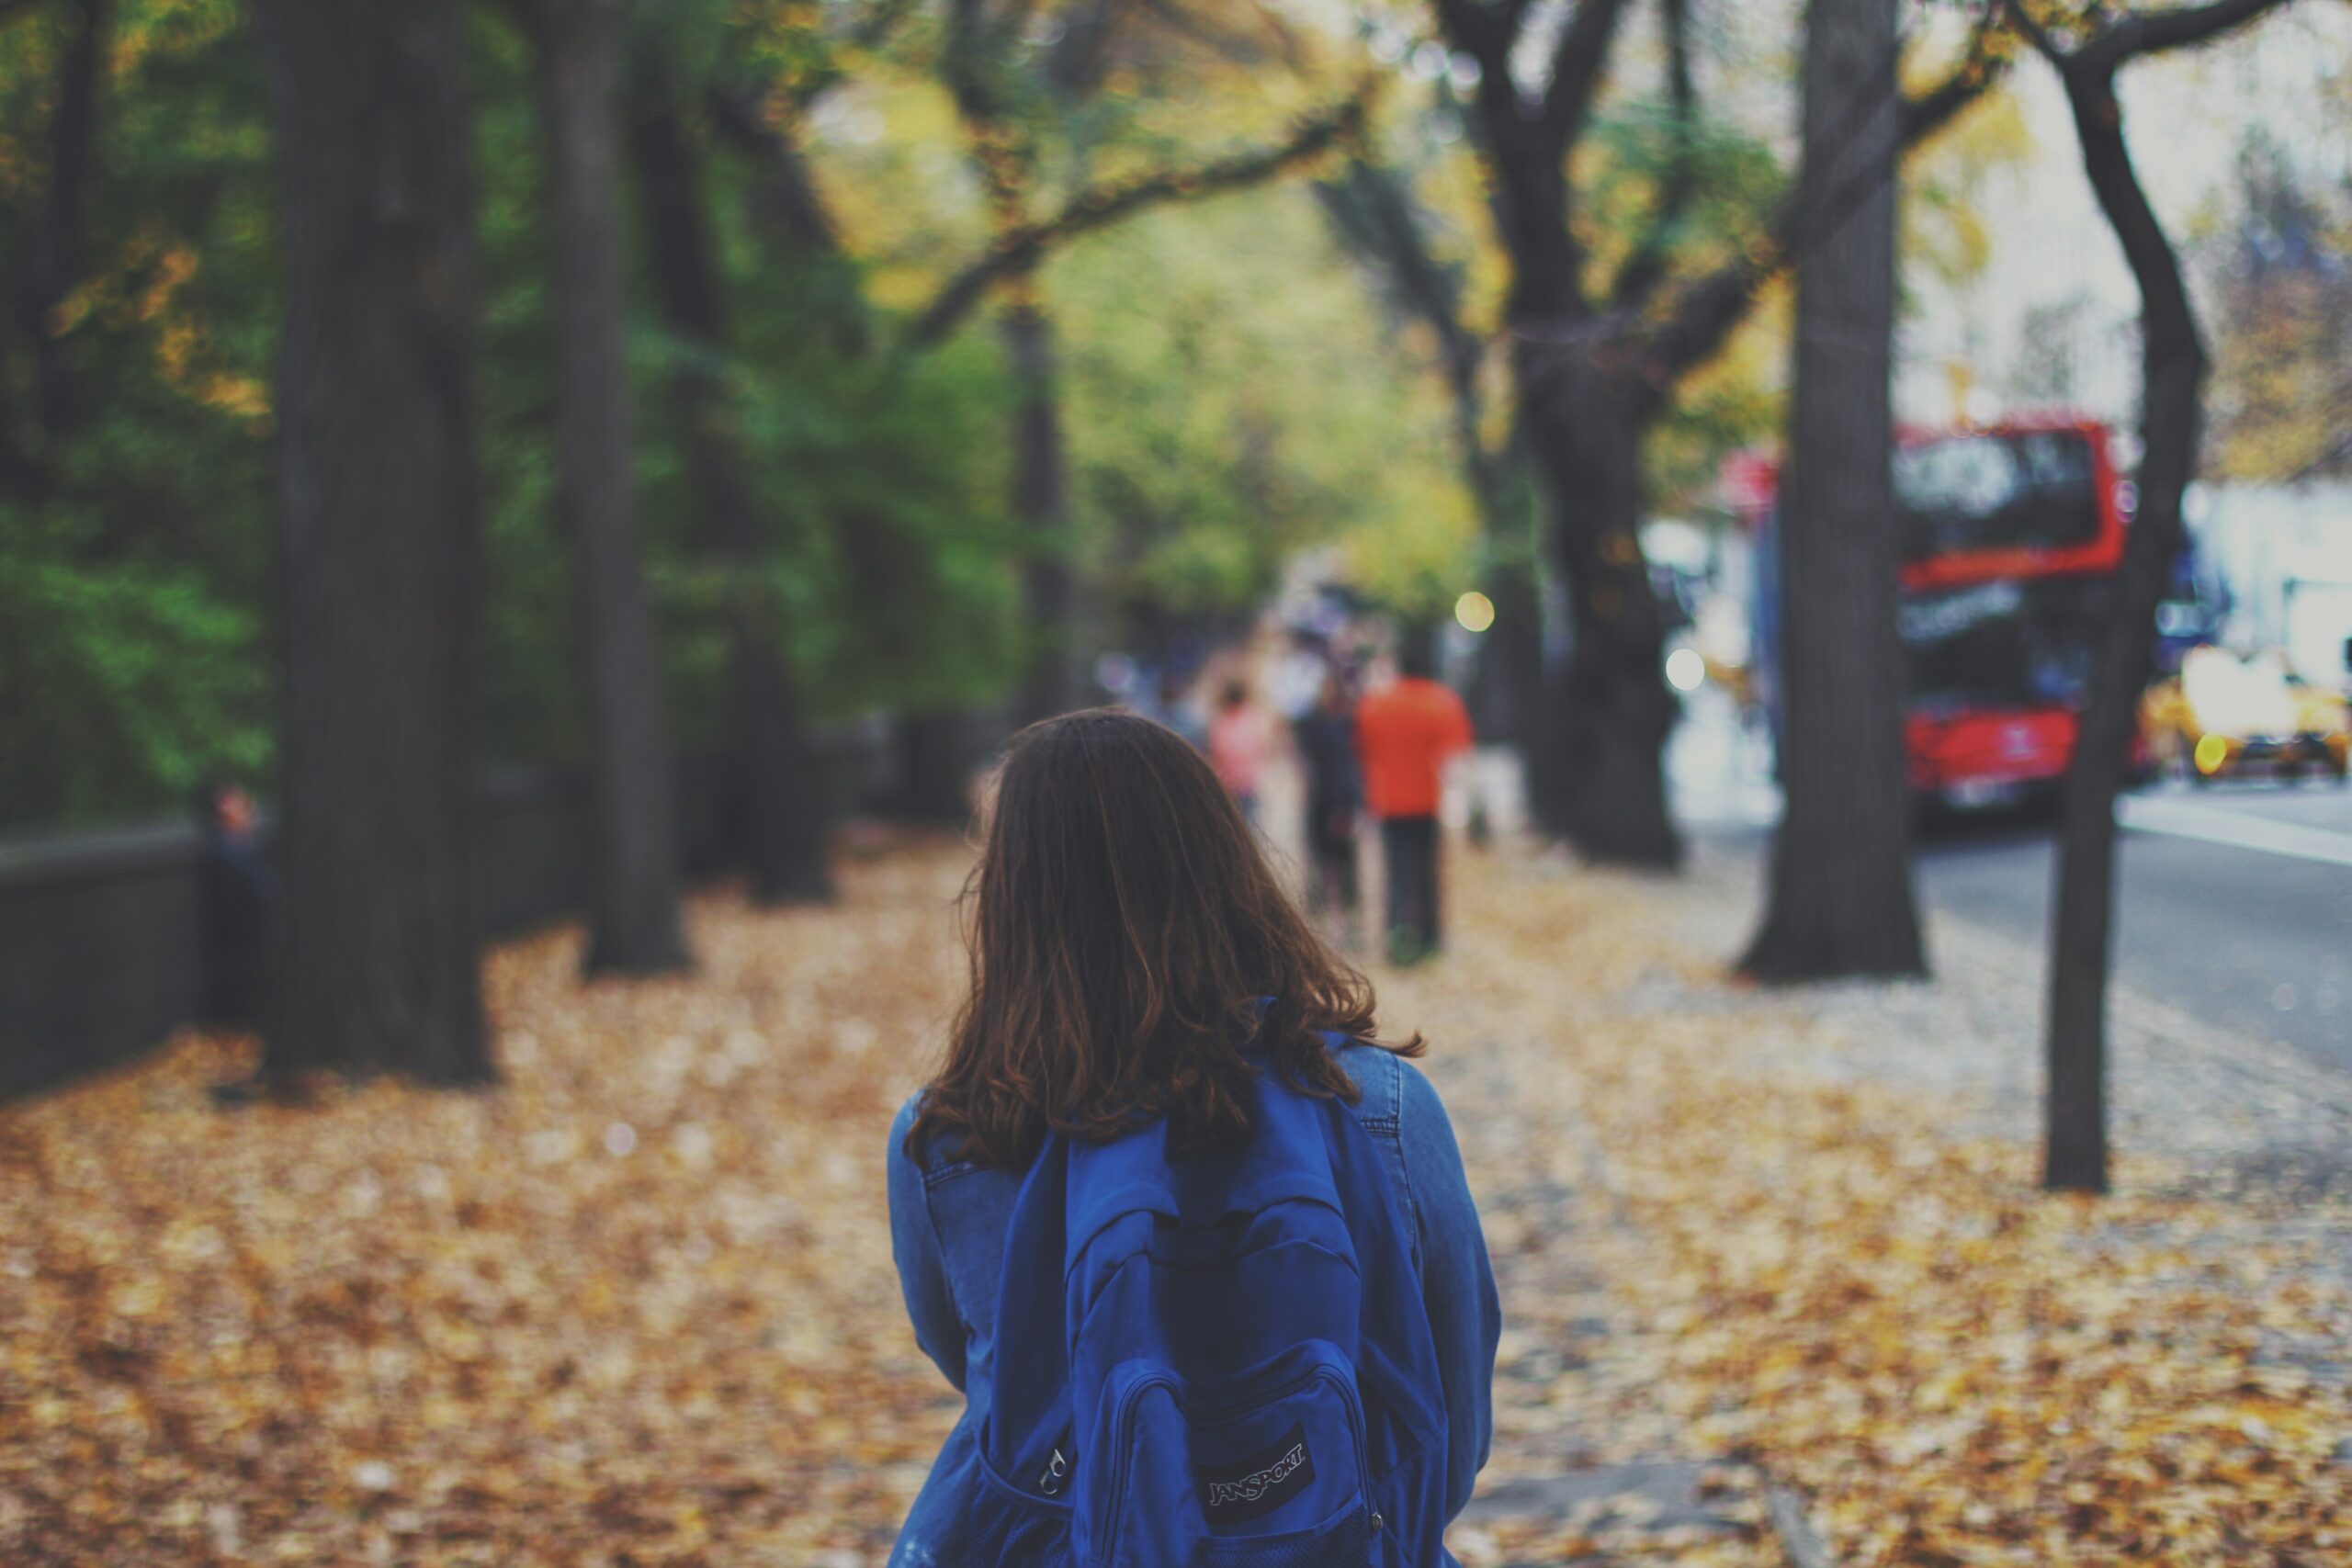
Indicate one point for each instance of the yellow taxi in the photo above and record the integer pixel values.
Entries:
(2225, 715)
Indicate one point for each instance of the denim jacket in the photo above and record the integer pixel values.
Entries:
(948, 1226)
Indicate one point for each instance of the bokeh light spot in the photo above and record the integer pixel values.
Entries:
(1685, 670)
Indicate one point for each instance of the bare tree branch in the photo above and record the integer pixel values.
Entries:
(2172, 376)
(870, 32)
(1077, 63)
(1710, 308)
(529, 17)
(1930, 111)
(786, 191)
(2088, 71)
(2107, 48)
(1645, 268)
(974, 42)
(2106, 160)
(1019, 249)
(962, 60)
(2152, 32)
(1228, 43)
(875, 28)
(1577, 65)
(2035, 34)
(1486, 32)
(1374, 212)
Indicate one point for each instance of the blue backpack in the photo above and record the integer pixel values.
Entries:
(1213, 1360)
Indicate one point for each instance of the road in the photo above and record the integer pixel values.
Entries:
(2235, 903)
(2235, 899)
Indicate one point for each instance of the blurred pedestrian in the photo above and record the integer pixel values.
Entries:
(1241, 736)
(1296, 680)
(235, 903)
(1177, 710)
(1406, 733)
(1326, 738)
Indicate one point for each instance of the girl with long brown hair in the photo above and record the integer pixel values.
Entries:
(1140, 982)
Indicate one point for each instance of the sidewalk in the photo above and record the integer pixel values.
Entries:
(1765, 1247)
(1778, 1288)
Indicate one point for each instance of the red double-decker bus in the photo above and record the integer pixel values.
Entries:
(2011, 535)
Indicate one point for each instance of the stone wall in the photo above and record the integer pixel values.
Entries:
(99, 946)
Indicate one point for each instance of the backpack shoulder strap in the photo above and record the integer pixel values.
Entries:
(1031, 1375)
(1286, 1157)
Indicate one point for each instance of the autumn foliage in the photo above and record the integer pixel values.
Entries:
(635, 1305)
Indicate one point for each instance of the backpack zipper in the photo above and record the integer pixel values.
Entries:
(1123, 1422)
(1350, 1402)
(1363, 1444)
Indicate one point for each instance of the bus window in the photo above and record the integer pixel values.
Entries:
(2002, 645)
(2022, 490)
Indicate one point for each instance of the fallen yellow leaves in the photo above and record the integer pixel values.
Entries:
(636, 1304)
(1827, 1281)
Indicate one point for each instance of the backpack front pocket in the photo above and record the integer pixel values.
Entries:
(1273, 1463)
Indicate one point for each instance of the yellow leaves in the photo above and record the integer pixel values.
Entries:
(144, 285)
(1941, 1393)
(1880, 1309)
(1953, 185)
(412, 1327)
(163, 27)
(408, 1326)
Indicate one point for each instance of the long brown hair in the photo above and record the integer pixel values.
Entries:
(1123, 927)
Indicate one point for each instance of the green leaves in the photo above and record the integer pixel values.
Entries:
(125, 683)
(133, 649)
(1233, 397)
(1630, 155)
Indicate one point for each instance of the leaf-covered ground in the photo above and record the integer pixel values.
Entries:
(636, 1304)
(1847, 1286)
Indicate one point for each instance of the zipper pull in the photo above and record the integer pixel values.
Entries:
(1056, 1469)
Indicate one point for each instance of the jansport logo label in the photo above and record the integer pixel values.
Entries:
(1259, 1482)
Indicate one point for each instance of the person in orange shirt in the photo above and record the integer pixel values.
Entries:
(1406, 733)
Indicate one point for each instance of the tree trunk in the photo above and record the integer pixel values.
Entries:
(53, 261)
(1511, 659)
(785, 206)
(1510, 677)
(775, 804)
(935, 767)
(1595, 765)
(634, 924)
(2172, 373)
(379, 533)
(774, 813)
(1592, 370)
(1598, 777)
(1510, 656)
(1841, 890)
(1041, 507)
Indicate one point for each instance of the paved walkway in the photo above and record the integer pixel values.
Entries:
(2231, 1170)
(1595, 1460)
